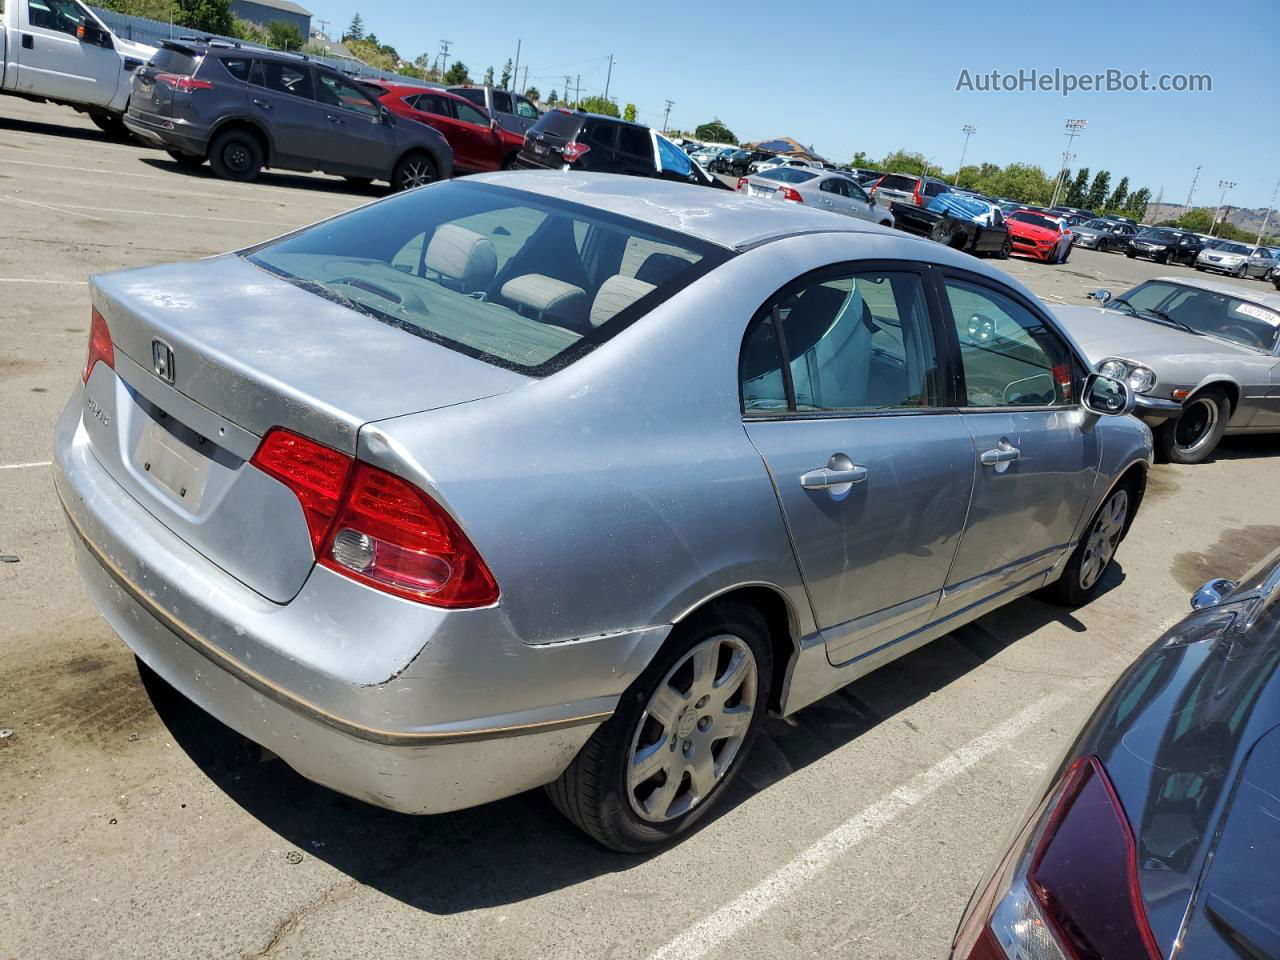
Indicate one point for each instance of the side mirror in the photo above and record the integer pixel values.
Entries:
(384, 114)
(494, 125)
(1106, 396)
(89, 32)
(1213, 592)
(1101, 295)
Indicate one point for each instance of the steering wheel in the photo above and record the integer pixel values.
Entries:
(1240, 332)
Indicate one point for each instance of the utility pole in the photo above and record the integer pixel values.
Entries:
(567, 78)
(524, 86)
(1192, 191)
(577, 90)
(667, 115)
(1225, 185)
(515, 74)
(1267, 219)
(969, 131)
(608, 77)
(1074, 129)
(324, 26)
(444, 53)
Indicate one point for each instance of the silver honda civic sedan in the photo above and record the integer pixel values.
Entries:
(564, 479)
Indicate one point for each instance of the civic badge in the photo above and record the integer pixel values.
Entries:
(162, 360)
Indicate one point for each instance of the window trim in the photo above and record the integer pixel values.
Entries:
(317, 77)
(259, 63)
(1082, 367)
(944, 350)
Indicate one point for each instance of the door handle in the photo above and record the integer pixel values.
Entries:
(28, 42)
(261, 103)
(839, 472)
(332, 119)
(1003, 452)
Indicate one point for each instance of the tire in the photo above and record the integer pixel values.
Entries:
(1198, 267)
(509, 163)
(361, 182)
(415, 169)
(885, 223)
(598, 793)
(941, 233)
(236, 155)
(112, 125)
(1194, 434)
(1130, 254)
(1095, 551)
(185, 160)
(1006, 250)
(1241, 271)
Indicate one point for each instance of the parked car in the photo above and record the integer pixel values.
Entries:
(1103, 234)
(961, 221)
(1164, 245)
(478, 141)
(593, 143)
(1202, 356)
(245, 109)
(1074, 212)
(58, 50)
(907, 188)
(279, 476)
(1155, 836)
(820, 189)
(1040, 236)
(1237, 259)
(514, 112)
(738, 163)
(866, 177)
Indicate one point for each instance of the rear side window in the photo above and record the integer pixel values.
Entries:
(502, 102)
(599, 133)
(431, 103)
(181, 62)
(282, 78)
(237, 67)
(518, 280)
(932, 189)
(634, 141)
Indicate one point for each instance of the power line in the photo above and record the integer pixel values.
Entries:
(444, 53)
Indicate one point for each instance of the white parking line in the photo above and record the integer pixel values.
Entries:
(69, 283)
(25, 466)
(184, 216)
(704, 936)
(49, 206)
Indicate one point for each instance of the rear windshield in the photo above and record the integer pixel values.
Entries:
(512, 278)
(787, 174)
(183, 63)
(560, 124)
(895, 182)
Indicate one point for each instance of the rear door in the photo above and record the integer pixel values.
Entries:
(635, 151)
(1035, 464)
(843, 395)
(356, 140)
(601, 137)
(282, 96)
(53, 61)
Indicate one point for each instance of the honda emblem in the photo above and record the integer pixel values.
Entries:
(162, 360)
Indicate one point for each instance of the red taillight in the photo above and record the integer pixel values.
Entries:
(1069, 887)
(742, 183)
(573, 150)
(790, 194)
(315, 473)
(392, 536)
(375, 527)
(181, 83)
(99, 345)
(916, 196)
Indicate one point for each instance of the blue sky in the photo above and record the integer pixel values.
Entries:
(879, 76)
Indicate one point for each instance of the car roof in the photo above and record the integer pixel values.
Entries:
(1269, 300)
(407, 88)
(719, 216)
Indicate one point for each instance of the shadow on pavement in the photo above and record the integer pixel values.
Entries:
(521, 848)
(1247, 447)
(296, 181)
(69, 131)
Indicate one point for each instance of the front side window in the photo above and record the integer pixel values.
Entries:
(526, 109)
(857, 343)
(334, 91)
(1010, 356)
(469, 114)
(60, 15)
(282, 78)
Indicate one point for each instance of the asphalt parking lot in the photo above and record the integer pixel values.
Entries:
(131, 825)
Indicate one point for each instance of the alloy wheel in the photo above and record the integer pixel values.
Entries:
(1103, 539)
(417, 173)
(693, 726)
(1195, 425)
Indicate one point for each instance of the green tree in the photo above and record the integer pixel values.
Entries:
(860, 160)
(355, 30)
(1136, 206)
(599, 105)
(1119, 195)
(1078, 191)
(534, 94)
(1097, 197)
(208, 16)
(1198, 220)
(284, 36)
(457, 73)
(249, 31)
(901, 161)
(715, 131)
(488, 77)
(553, 99)
(629, 114)
(164, 10)
(506, 76)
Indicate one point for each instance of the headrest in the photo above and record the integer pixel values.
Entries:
(463, 256)
(658, 268)
(550, 299)
(615, 295)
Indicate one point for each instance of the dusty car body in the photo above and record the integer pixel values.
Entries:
(396, 499)
(1205, 363)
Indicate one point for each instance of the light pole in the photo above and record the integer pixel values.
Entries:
(608, 77)
(969, 131)
(1225, 185)
(1192, 191)
(1074, 129)
(1267, 219)
(667, 115)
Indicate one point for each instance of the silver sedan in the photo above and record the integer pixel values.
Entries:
(1237, 259)
(836, 192)
(566, 479)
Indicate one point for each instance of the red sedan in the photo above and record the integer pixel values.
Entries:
(479, 142)
(1038, 235)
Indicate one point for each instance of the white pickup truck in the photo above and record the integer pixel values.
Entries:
(58, 50)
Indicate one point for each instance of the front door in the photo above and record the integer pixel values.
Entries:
(358, 142)
(54, 61)
(1036, 457)
(843, 398)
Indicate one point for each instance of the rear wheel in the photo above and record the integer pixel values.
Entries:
(112, 124)
(510, 162)
(1006, 249)
(679, 735)
(414, 170)
(1193, 434)
(236, 155)
(186, 160)
(1093, 555)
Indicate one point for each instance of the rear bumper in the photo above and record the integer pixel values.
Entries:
(475, 715)
(167, 134)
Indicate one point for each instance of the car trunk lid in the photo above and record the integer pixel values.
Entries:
(211, 355)
(155, 84)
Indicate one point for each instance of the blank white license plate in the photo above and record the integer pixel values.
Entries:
(762, 191)
(173, 465)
